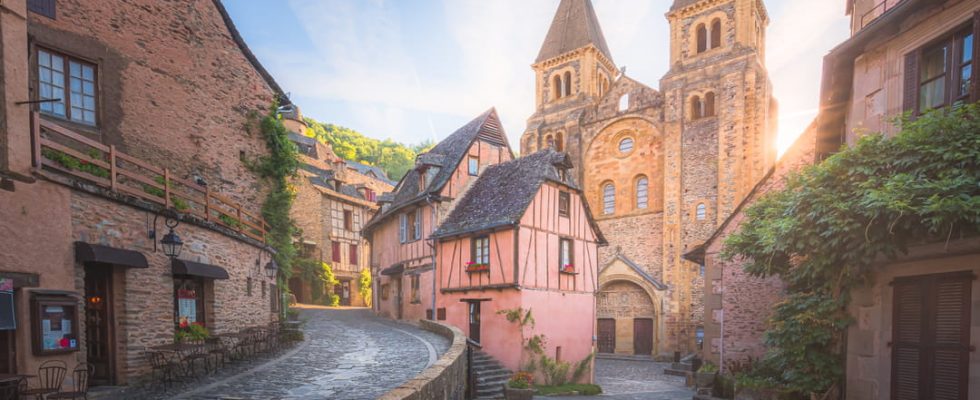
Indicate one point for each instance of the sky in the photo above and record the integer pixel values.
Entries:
(415, 70)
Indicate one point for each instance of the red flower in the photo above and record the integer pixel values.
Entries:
(183, 323)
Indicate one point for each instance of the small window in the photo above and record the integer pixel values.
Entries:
(417, 224)
(385, 291)
(416, 298)
(369, 195)
(557, 87)
(701, 212)
(188, 300)
(716, 33)
(697, 108)
(481, 250)
(624, 102)
(642, 195)
(709, 104)
(702, 37)
(564, 203)
(943, 73)
(403, 228)
(55, 325)
(353, 255)
(412, 218)
(608, 199)
(335, 251)
(565, 263)
(263, 290)
(348, 220)
(701, 268)
(422, 184)
(474, 166)
(568, 83)
(78, 99)
(559, 142)
(626, 145)
(43, 7)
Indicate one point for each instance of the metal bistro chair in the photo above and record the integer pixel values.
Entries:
(217, 348)
(197, 351)
(161, 363)
(50, 376)
(243, 345)
(80, 376)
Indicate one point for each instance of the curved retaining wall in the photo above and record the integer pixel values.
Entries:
(444, 380)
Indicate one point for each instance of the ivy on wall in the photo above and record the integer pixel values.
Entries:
(823, 233)
(364, 286)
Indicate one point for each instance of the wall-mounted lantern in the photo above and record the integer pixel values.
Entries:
(171, 243)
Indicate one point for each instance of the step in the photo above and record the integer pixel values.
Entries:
(497, 392)
(677, 372)
(493, 376)
(492, 382)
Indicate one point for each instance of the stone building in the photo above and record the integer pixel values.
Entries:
(662, 168)
(917, 318)
(121, 120)
(334, 199)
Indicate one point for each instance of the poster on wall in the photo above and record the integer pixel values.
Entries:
(56, 329)
(186, 307)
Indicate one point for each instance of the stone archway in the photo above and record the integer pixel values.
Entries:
(630, 309)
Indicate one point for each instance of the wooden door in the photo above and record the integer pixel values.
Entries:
(398, 295)
(8, 353)
(475, 321)
(99, 324)
(643, 336)
(931, 337)
(607, 335)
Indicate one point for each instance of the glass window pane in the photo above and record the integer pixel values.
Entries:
(59, 109)
(45, 75)
(966, 76)
(76, 69)
(58, 79)
(88, 88)
(88, 102)
(57, 63)
(76, 101)
(88, 73)
(933, 63)
(626, 145)
(88, 116)
(43, 58)
(932, 95)
(76, 86)
(968, 48)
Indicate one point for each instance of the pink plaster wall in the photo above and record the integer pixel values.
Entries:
(455, 254)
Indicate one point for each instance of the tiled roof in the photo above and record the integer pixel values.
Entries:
(575, 26)
(365, 169)
(503, 192)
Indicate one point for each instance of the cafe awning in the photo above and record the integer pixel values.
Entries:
(393, 270)
(87, 252)
(184, 267)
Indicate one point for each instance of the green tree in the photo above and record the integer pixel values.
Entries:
(395, 159)
(822, 233)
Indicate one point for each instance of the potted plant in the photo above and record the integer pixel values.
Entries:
(749, 387)
(519, 387)
(568, 269)
(474, 267)
(194, 331)
(705, 376)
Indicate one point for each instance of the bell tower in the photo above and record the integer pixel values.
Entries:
(573, 69)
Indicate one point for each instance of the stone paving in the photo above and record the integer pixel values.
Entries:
(635, 380)
(348, 354)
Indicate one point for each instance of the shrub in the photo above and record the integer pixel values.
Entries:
(521, 380)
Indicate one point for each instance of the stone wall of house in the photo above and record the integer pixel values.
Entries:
(173, 87)
(446, 379)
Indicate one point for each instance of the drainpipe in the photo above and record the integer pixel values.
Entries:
(721, 347)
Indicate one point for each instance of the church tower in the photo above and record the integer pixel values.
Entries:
(573, 69)
(719, 134)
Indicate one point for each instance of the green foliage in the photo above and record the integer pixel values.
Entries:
(708, 368)
(277, 168)
(364, 286)
(321, 276)
(73, 163)
(194, 331)
(232, 222)
(823, 231)
(178, 203)
(581, 368)
(395, 159)
(555, 372)
(569, 389)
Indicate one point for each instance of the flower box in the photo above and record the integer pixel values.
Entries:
(476, 268)
(568, 269)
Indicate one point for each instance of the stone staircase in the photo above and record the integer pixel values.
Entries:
(490, 376)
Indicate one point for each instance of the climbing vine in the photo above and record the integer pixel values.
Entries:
(833, 221)
(322, 280)
(364, 286)
(277, 167)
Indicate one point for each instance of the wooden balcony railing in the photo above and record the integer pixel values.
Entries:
(877, 11)
(59, 149)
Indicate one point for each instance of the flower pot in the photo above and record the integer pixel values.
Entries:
(517, 394)
(704, 379)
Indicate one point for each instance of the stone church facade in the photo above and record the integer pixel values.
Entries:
(663, 168)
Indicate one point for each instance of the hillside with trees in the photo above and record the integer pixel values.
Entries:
(396, 159)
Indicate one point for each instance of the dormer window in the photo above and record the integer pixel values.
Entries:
(422, 184)
(564, 203)
(369, 194)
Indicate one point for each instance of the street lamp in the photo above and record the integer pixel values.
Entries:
(270, 268)
(172, 245)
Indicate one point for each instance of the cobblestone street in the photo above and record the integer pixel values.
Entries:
(635, 380)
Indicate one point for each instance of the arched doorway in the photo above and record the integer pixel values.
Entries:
(627, 318)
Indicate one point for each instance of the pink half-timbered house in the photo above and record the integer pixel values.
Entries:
(521, 237)
(402, 256)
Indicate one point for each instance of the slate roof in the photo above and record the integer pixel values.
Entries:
(503, 192)
(346, 190)
(452, 149)
(364, 169)
(575, 26)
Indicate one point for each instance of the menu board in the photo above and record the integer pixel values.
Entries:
(186, 306)
(56, 328)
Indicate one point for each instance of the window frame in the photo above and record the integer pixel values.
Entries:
(38, 303)
(67, 59)
(352, 254)
(564, 203)
(471, 168)
(482, 241)
(608, 199)
(385, 291)
(562, 261)
(201, 314)
(349, 220)
(701, 212)
(645, 204)
(952, 73)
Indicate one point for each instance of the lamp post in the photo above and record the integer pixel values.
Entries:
(172, 245)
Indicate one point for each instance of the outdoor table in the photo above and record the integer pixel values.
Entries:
(12, 380)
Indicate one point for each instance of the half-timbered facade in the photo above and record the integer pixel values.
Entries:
(522, 237)
(401, 252)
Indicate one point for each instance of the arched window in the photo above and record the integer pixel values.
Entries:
(626, 145)
(716, 33)
(624, 102)
(642, 194)
(697, 109)
(557, 87)
(701, 212)
(709, 104)
(550, 142)
(608, 199)
(568, 84)
(702, 34)
(559, 142)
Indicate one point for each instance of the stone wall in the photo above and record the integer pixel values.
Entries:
(446, 379)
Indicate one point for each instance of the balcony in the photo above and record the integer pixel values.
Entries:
(60, 150)
(878, 10)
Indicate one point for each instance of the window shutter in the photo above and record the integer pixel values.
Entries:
(911, 95)
(418, 224)
(43, 7)
(907, 341)
(402, 227)
(951, 321)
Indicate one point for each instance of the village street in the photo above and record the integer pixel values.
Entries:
(626, 379)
